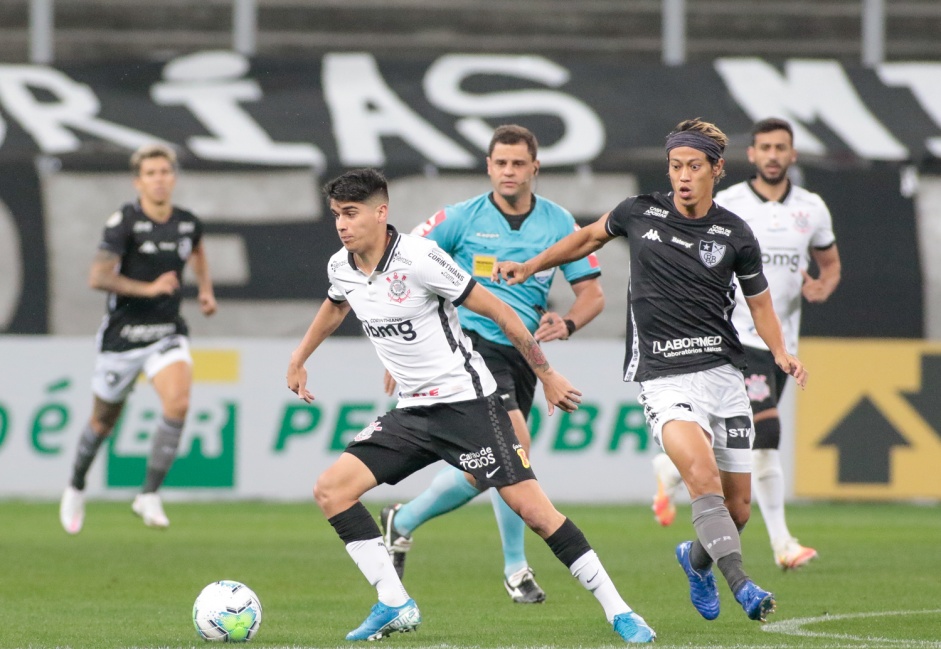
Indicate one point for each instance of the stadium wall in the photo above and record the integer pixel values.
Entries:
(258, 137)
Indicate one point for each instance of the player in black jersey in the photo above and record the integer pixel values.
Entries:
(139, 264)
(686, 253)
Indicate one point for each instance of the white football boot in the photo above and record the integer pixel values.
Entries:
(72, 510)
(149, 507)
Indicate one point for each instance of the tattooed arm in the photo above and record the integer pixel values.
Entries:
(104, 276)
(559, 392)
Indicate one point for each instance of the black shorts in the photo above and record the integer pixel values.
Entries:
(516, 381)
(475, 436)
(764, 380)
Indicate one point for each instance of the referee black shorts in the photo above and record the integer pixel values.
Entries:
(475, 436)
(516, 381)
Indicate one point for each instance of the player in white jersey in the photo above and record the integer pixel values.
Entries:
(793, 226)
(405, 290)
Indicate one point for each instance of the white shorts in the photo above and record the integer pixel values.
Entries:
(116, 372)
(715, 399)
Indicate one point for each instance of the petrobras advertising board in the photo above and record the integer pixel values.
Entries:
(248, 436)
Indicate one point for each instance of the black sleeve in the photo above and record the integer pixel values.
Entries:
(197, 231)
(748, 265)
(116, 234)
(616, 225)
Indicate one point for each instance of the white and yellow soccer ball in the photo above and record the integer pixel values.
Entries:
(227, 611)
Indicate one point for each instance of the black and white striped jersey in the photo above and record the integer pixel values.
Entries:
(408, 309)
(787, 231)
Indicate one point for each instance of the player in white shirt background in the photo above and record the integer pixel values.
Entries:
(793, 226)
(405, 291)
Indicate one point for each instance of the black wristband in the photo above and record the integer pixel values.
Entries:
(570, 326)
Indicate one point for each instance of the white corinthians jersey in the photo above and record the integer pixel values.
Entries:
(786, 231)
(408, 309)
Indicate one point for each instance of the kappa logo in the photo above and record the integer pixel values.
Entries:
(718, 229)
(711, 253)
(398, 291)
(657, 211)
(685, 244)
(653, 235)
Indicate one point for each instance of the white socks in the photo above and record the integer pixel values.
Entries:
(768, 485)
(373, 560)
(592, 575)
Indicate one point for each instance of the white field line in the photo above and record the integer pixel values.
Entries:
(795, 627)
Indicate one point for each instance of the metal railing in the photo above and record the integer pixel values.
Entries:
(673, 21)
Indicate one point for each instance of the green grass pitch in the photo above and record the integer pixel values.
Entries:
(876, 585)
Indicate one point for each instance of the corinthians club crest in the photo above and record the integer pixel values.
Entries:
(711, 252)
(398, 291)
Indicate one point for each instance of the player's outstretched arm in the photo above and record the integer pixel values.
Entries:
(200, 266)
(328, 318)
(559, 392)
(768, 327)
(580, 243)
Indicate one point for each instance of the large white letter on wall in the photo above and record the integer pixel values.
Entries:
(50, 123)
(584, 134)
(364, 109)
(808, 91)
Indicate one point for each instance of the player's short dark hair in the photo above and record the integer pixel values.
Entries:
(705, 129)
(148, 151)
(357, 186)
(772, 124)
(514, 134)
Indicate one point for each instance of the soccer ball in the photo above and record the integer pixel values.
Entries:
(227, 611)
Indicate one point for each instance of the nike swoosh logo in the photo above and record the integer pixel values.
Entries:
(490, 474)
(592, 577)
